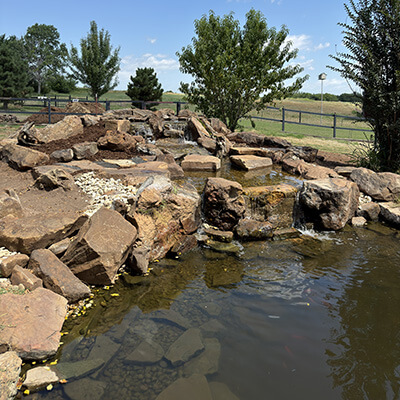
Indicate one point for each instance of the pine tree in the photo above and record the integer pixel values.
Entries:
(14, 76)
(373, 64)
(98, 64)
(144, 86)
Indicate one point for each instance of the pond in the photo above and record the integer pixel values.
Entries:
(315, 317)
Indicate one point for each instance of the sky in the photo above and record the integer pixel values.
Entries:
(149, 33)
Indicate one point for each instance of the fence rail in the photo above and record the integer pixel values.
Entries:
(283, 118)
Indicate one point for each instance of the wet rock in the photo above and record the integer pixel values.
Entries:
(184, 244)
(32, 323)
(249, 163)
(56, 276)
(187, 346)
(221, 392)
(29, 233)
(358, 221)
(10, 204)
(219, 236)
(148, 352)
(390, 212)
(329, 203)
(286, 233)
(10, 368)
(249, 229)
(7, 265)
(207, 362)
(22, 276)
(370, 211)
(223, 203)
(195, 162)
(77, 369)
(104, 348)
(64, 155)
(40, 377)
(85, 388)
(84, 150)
(212, 326)
(172, 317)
(100, 248)
(50, 179)
(193, 388)
(211, 308)
(274, 204)
(22, 158)
(384, 186)
(221, 247)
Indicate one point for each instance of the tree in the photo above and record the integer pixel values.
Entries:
(144, 86)
(237, 70)
(14, 75)
(373, 64)
(45, 54)
(98, 64)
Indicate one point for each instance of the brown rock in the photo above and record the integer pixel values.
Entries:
(119, 141)
(219, 126)
(35, 232)
(71, 125)
(197, 130)
(220, 236)
(64, 155)
(118, 125)
(32, 322)
(7, 265)
(100, 248)
(10, 204)
(195, 162)
(358, 221)
(10, 368)
(23, 158)
(249, 163)
(306, 170)
(224, 204)
(56, 276)
(370, 211)
(50, 179)
(84, 150)
(390, 212)
(26, 278)
(274, 204)
(329, 203)
(249, 229)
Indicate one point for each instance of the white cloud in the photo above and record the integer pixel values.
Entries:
(322, 46)
(152, 40)
(301, 42)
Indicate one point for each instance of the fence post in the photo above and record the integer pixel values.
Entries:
(299, 117)
(49, 109)
(107, 105)
(178, 107)
(283, 119)
(143, 105)
(334, 125)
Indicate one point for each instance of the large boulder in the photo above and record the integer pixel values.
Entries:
(31, 323)
(56, 276)
(10, 368)
(384, 186)
(197, 129)
(119, 141)
(329, 203)
(390, 212)
(224, 203)
(165, 215)
(71, 125)
(23, 158)
(101, 247)
(274, 204)
(35, 232)
(250, 162)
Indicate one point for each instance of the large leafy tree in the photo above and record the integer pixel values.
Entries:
(14, 77)
(98, 64)
(373, 64)
(45, 54)
(144, 86)
(237, 69)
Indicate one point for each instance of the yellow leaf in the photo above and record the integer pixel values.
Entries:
(54, 362)
(114, 294)
(63, 381)
(26, 391)
(49, 387)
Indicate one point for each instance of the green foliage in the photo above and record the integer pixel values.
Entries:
(237, 70)
(14, 76)
(144, 86)
(98, 64)
(364, 155)
(62, 84)
(45, 54)
(373, 63)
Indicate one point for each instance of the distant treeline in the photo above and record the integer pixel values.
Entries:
(347, 97)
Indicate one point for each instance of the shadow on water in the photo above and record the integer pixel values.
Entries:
(315, 317)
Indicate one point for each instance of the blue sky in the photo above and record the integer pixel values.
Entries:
(150, 33)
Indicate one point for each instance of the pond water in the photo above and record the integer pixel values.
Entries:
(310, 318)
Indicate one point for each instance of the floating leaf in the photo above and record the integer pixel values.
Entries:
(49, 387)
(114, 294)
(26, 391)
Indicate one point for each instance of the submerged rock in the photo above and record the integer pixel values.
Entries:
(194, 388)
